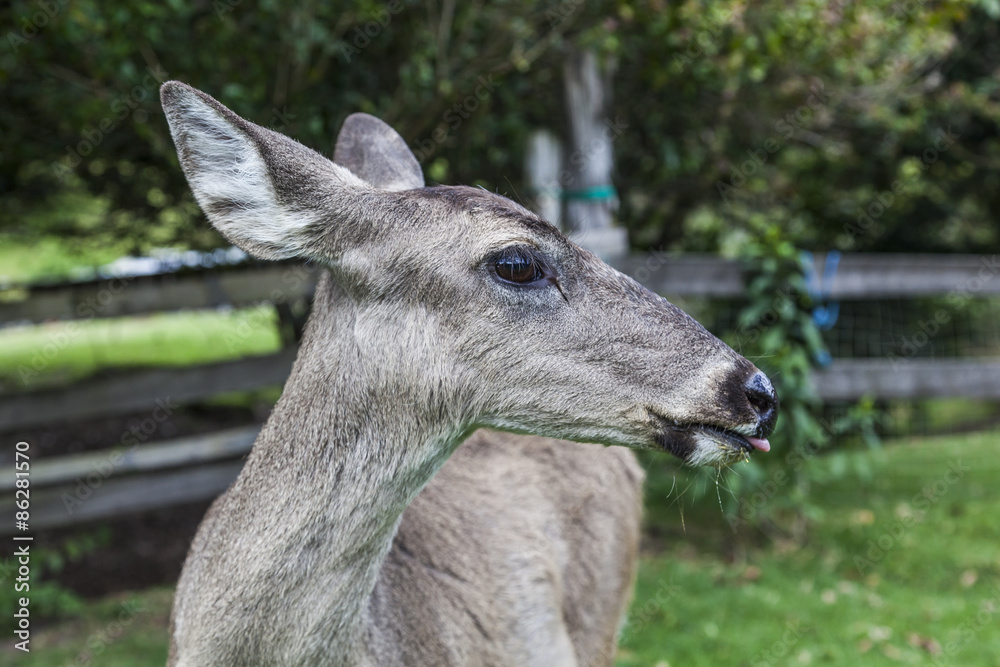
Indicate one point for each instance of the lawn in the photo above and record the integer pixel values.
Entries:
(120, 630)
(55, 353)
(903, 568)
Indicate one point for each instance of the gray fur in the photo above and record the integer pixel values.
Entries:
(375, 152)
(341, 543)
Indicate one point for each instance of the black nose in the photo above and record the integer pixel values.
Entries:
(761, 395)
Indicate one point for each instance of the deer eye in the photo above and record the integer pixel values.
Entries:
(519, 266)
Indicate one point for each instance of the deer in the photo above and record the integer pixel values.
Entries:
(427, 490)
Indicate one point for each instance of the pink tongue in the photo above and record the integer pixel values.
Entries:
(760, 443)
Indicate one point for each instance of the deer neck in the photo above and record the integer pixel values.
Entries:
(345, 455)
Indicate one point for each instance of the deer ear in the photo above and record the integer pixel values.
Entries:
(264, 192)
(375, 152)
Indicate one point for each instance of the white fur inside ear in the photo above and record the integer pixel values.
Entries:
(230, 181)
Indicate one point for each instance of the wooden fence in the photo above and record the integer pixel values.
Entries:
(80, 488)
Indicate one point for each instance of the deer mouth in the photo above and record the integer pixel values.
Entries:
(707, 444)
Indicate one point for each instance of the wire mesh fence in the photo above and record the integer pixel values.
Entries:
(897, 330)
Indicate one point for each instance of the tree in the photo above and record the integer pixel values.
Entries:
(860, 126)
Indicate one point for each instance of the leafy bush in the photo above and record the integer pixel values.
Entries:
(49, 599)
(863, 126)
(776, 329)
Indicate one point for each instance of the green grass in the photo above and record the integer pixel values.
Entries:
(938, 415)
(126, 630)
(57, 352)
(50, 258)
(699, 602)
(895, 572)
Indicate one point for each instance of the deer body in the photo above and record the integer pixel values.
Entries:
(443, 311)
(317, 525)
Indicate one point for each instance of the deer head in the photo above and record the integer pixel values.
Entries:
(466, 304)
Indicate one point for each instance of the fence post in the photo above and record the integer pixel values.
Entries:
(542, 164)
(590, 196)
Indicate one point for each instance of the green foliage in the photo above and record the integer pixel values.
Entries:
(124, 630)
(776, 330)
(81, 96)
(49, 599)
(808, 114)
(860, 127)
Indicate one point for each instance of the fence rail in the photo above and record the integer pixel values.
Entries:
(849, 379)
(136, 391)
(141, 295)
(100, 485)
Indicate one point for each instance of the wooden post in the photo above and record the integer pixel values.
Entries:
(586, 180)
(542, 164)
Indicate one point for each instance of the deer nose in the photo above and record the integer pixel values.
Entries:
(764, 400)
